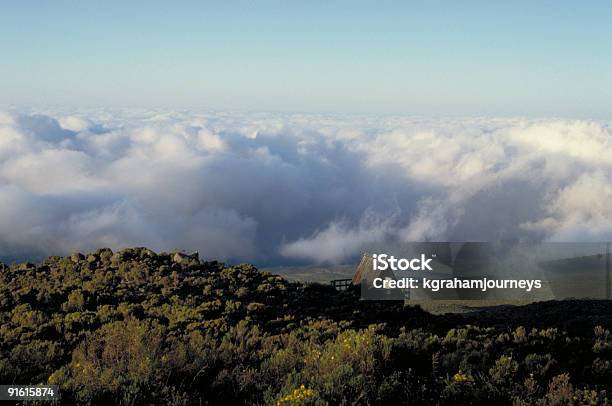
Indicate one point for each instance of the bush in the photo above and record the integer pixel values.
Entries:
(136, 327)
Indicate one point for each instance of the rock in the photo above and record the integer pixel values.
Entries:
(140, 253)
(146, 253)
(76, 257)
(26, 266)
(117, 258)
(105, 254)
(182, 258)
(43, 269)
(179, 258)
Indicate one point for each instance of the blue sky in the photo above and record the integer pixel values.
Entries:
(433, 58)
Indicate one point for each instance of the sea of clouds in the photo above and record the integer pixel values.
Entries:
(280, 188)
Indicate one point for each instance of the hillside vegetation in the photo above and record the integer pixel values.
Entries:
(136, 327)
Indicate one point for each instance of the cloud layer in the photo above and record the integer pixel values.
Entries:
(275, 188)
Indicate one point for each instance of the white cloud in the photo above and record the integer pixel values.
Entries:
(51, 171)
(76, 124)
(339, 240)
(277, 187)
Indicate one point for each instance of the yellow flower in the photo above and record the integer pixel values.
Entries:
(296, 397)
(461, 377)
